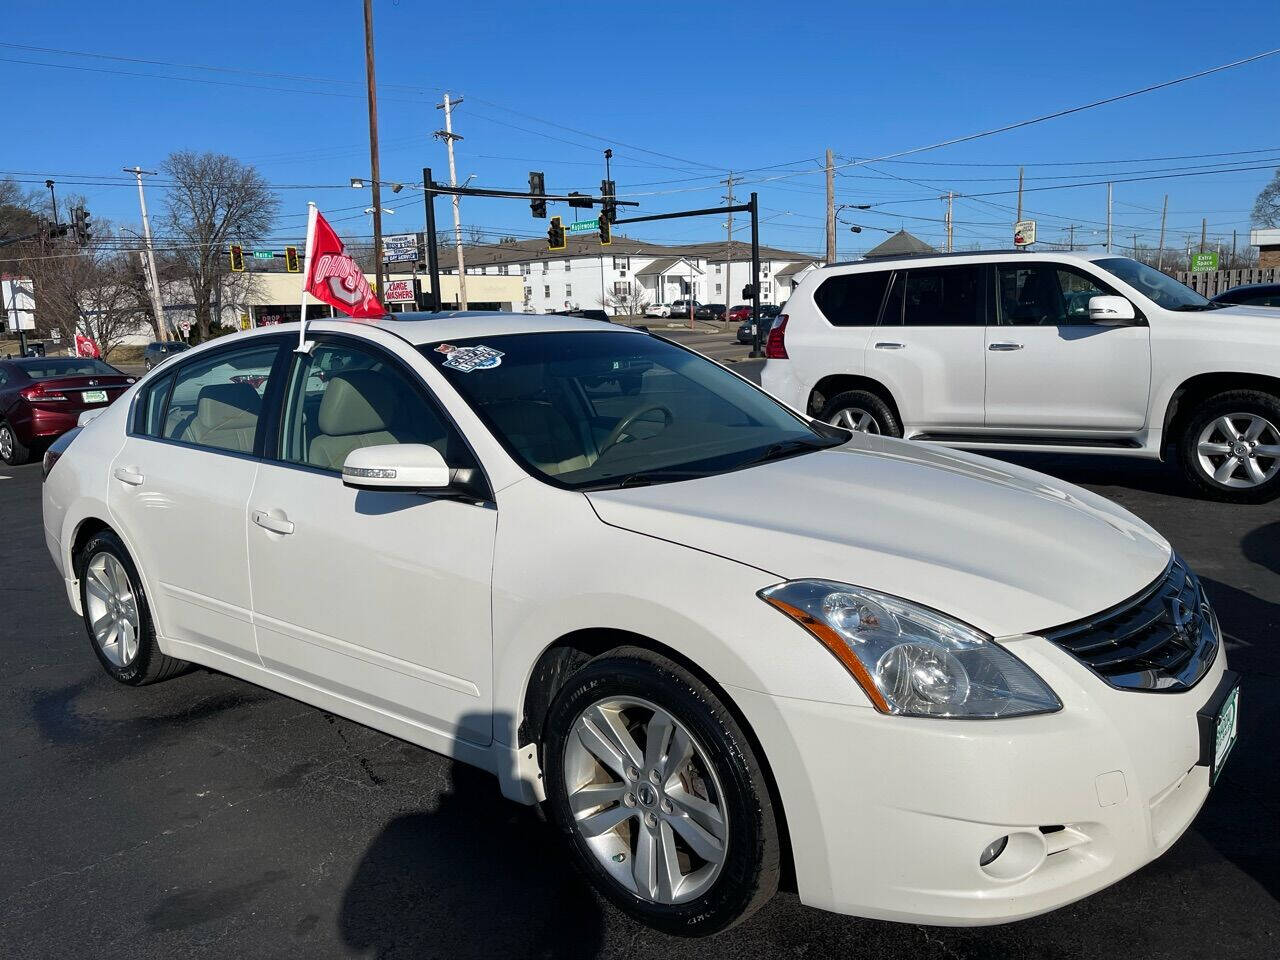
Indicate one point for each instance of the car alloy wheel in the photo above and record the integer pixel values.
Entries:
(855, 419)
(1239, 450)
(112, 609)
(6, 442)
(646, 800)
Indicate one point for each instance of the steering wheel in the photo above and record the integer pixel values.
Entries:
(620, 431)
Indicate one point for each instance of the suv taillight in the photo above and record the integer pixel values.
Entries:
(776, 346)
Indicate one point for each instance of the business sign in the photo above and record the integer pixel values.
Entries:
(398, 291)
(19, 304)
(401, 248)
(1024, 233)
(1204, 262)
(584, 226)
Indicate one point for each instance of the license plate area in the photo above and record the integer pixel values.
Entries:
(94, 396)
(1219, 721)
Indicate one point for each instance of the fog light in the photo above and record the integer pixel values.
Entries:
(993, 850)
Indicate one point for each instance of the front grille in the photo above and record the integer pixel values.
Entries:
(1163, 640)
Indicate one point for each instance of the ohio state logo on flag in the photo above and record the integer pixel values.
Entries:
(336, 279)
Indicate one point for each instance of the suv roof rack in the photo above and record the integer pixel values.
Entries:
(937, 254)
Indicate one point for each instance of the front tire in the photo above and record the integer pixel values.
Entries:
(117, 616)
(1230, 447)
(862, 412)
(659, 794)
(12, 450)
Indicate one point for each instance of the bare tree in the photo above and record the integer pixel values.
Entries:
(1266, 209)
(215, 200)
(632, 301)
(474, 234)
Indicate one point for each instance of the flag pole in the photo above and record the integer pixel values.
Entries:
(306, 273)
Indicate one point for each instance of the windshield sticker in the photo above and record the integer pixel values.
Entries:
(468, 359)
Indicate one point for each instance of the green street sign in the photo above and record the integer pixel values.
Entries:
(584, 226)
(263, 254)
(1204, 262)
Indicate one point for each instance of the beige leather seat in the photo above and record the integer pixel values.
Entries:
(360, 408)
(534, 425)
(226, 417)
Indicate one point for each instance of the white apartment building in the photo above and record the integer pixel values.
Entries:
(586, 275)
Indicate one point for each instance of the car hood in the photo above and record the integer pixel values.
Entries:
(1005, 549)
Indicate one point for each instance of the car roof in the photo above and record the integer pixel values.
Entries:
(970, 256)
(1249, 288)
(420, 328)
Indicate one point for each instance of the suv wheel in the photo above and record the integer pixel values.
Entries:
(862, 412)
(660, 795)
(1230, 447)
(12, 450)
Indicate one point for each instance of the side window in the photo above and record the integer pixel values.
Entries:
(342, 397)
(943, 297)
(217, 401)
(1045, 294)
(149, 412)
(852, 299)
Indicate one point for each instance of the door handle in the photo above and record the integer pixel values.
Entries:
(890, 345)
(129, 475)
(275, 524)
(1004, 346)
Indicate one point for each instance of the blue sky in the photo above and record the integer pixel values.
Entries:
(682, 92)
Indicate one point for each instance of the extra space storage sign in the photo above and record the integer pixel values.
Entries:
(399, 291)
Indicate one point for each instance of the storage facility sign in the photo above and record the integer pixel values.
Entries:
(1204, 262)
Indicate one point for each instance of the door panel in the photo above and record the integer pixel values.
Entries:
(379, 596)
(1050, 369)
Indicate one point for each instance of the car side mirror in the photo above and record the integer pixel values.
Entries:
(396, 466)
(1116, 311)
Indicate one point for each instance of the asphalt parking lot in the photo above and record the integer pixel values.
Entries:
(205, 817)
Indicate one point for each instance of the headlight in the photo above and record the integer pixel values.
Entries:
(911, 660)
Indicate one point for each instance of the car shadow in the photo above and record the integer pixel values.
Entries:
(478, 876)
(1262, 546)
(1095, 470)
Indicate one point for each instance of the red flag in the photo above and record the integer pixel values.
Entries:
(85, 347)
(335, 278)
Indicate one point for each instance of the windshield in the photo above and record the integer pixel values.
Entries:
(604, 409)
(46, 368)
(1150, 282)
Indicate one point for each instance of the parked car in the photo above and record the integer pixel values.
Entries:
(962, 691)
(157, 351)
(42, 397)
(740, 313)
(680, 309)
(768, 313)
(658, 310)
(1065, 352)
(713, 312)
(1252, 295)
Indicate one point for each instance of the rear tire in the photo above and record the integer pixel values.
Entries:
(12, 450)
(1229, 447)
(133, 657)
(861, 411)
(712, 782)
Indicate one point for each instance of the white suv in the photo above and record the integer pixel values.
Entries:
(1064, 352)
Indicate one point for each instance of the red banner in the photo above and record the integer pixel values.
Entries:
(336, 279)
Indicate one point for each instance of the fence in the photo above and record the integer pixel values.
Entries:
(1212, 284)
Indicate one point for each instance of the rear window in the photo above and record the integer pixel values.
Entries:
(43, 368)
(852, 299)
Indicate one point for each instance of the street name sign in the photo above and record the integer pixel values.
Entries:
(584, 226)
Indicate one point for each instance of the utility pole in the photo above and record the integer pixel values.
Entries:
(157, 308)
(1108, 216)
(950, 221)
(728, 248)
(375, 172)
(53, 199)
(1071, 236)
(1164, 214)
(448, 136)
(1231, 264)
(831, 208)
(1135, 246)
(1019, 194)
(1204, 225)
(433, 257)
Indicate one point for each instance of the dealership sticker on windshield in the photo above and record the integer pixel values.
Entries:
(468, 359)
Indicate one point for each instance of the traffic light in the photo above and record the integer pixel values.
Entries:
(80, 226)
(608, 209)
(237, 258)
(749, 292)
(555, 235)
(606, 236)
(577, 199)
(291, 259)
(538, 186)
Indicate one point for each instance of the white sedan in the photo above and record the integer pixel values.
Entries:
(719, 641)
(658, 310)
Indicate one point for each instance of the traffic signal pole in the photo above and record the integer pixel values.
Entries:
(433, 255)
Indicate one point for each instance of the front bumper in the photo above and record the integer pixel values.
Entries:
(888, 816)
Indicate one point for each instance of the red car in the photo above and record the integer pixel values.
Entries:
(740, 314)
(41, 398)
